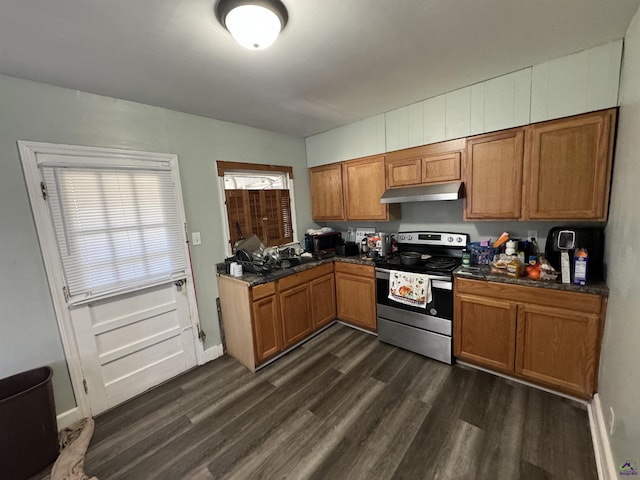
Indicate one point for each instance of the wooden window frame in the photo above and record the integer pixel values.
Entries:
(239, 167)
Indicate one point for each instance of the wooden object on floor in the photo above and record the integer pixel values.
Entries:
(548, 337)
(356, 294)
(343, 406)
(236, 317)
(262, 321)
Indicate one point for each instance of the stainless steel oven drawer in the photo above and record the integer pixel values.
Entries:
(419, 320)
(429, 344)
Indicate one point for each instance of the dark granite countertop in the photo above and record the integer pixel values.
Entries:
(253, 279)
(483, 272)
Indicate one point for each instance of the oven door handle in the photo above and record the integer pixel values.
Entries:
(441, 282)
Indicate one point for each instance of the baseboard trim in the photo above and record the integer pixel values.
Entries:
(68, 418)
(601, 445)
(350, 325)
(214, 352)
(523, 382)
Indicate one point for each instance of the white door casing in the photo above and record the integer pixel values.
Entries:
(118, 345)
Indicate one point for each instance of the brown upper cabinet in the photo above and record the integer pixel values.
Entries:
(349, 190)
(556, 170)
(493, 175)
(436, 163)
(327, 201)
(567, 165)
(364, 184)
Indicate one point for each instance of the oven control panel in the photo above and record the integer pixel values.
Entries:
(434, 238)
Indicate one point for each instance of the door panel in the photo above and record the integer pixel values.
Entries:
(493, 175)
(323, 298)
(557, 347)
(121, 340)
(133, 342)
(295, 309)
(485, 331)
(267, 328)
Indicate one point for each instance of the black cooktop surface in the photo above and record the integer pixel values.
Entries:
(433, 265)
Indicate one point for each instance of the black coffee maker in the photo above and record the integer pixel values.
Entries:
(570, 238)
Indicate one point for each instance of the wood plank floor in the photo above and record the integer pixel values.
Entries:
(343, 406)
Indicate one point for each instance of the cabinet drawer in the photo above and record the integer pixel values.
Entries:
(355, 269)
(305, 276)
(263, 290)
(576, 301)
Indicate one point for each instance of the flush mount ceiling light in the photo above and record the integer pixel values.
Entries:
(255, 24)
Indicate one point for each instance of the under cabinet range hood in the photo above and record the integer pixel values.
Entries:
(423, 193)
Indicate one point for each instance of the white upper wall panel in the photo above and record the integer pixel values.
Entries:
(458, 113)
(373, 135)
(433, 124)
(578, 83)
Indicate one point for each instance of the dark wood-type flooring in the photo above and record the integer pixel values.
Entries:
(343, 406)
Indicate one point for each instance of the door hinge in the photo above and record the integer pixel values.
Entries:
(201, 334)
(84, 384)
(65, 292)
(43, 189)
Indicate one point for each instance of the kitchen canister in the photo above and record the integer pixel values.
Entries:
(236, 269)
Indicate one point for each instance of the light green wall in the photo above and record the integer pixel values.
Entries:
(619, 372)
(29, 335)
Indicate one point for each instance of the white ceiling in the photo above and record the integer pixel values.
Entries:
(336, 61)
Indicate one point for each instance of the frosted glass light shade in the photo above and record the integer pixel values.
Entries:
(254, 27)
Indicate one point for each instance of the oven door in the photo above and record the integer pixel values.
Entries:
(426, 331)
(441, 305)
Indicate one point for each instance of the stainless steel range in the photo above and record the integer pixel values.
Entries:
(426, 326)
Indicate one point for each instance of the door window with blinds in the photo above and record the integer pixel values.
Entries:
(117, 223)
(259, 202)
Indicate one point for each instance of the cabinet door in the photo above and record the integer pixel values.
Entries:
(441, 168)
(364, 184)
(568, 167)
(493, 175)
(323, 300)
(356, 299)
(557, 348)
(485, 331)
(405, 172)
(295, 310)
(327, 201)
(267, 330)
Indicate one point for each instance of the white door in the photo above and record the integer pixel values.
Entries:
(133, 342)
(111, 228)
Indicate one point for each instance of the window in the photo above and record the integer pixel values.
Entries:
(116, 227)
(258, 201)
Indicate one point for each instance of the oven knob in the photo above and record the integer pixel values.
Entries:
(409, 237)
(459, 239)
(450, 239)
(433, 311)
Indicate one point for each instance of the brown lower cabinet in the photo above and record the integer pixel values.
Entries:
(323, 300)
(262, 321)
(356, 294)
(544, 336)
(266, 328)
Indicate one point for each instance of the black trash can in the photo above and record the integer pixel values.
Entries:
(28, 429)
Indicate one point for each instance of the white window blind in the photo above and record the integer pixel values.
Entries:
(117, 228)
